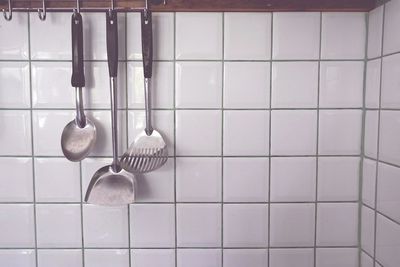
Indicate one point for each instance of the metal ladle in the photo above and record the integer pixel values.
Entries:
(79, 136)
(111, 185)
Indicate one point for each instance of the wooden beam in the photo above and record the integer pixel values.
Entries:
(200, 5)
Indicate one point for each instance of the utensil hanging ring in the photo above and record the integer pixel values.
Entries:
(42, 12)
(8, 14)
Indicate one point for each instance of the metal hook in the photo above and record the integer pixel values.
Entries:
(145, 11)
(78, 7)
(42, 13)
(8, 16)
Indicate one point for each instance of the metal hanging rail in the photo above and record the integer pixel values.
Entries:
(8, 6)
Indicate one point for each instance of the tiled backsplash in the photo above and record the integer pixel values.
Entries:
(380, 214)
(263, 115)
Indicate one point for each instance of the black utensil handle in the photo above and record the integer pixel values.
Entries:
(147, 43)
(78, 74)
(112, 42)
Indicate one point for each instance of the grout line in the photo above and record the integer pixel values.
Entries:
(194, 202)
(189, 109)
(362, 146)
(378, 135)
(174, 105)
(190, 60)
(213, 156)
(222, 138)
(270, 141)
(32, 143)
(158, 248)
(127, 131)
(317, 141)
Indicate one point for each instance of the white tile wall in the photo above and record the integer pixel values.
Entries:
(224, 107)
(380, 225)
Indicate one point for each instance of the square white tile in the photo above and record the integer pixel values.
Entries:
(18, 257)
(389, 142)
(293, 132)
(296, 35)
(94, 36)
(15, 87)
(373, 83)
(146, 229)
(387, 242)
(57, 180)
(246, 179)
(391, 40)
(247, 36)
(152, 257)
(333, 257)
(59, 257)
(388, 196)
(246, 133)
(340, 132)
(293, 179)
(16, 47)
(198, 225)
(368, 182)
(245, 225)
(375, 21)
(163, 36)
(245, 257)
(58, 26)
(105, 226)
(158, 185)
(50, 218)
(199, 257)
(161, 85)
(368, 230)
(338, 178)
(292, 225)
(390, 96)
(198, 35)
(19, 185)
(246, 85)
(343, 35)
(97, 90)
(106, 257)
(294, 84)
(162, 120)
(47, 130)
(337, 224)
(17, 228)
(102, 120)
(198, 179)
(48, 92)
(371, 133)
(198, 132)
(341, 84)
(299, 257)
(16, 132)
(198, 84)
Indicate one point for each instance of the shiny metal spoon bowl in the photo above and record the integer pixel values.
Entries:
(76, 141)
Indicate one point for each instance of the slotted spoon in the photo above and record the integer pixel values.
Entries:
(149, 151)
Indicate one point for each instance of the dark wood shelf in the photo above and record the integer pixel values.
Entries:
(200, 5)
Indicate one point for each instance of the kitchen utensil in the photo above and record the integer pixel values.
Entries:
(112, 185)
(79, 136)
(149, 150)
